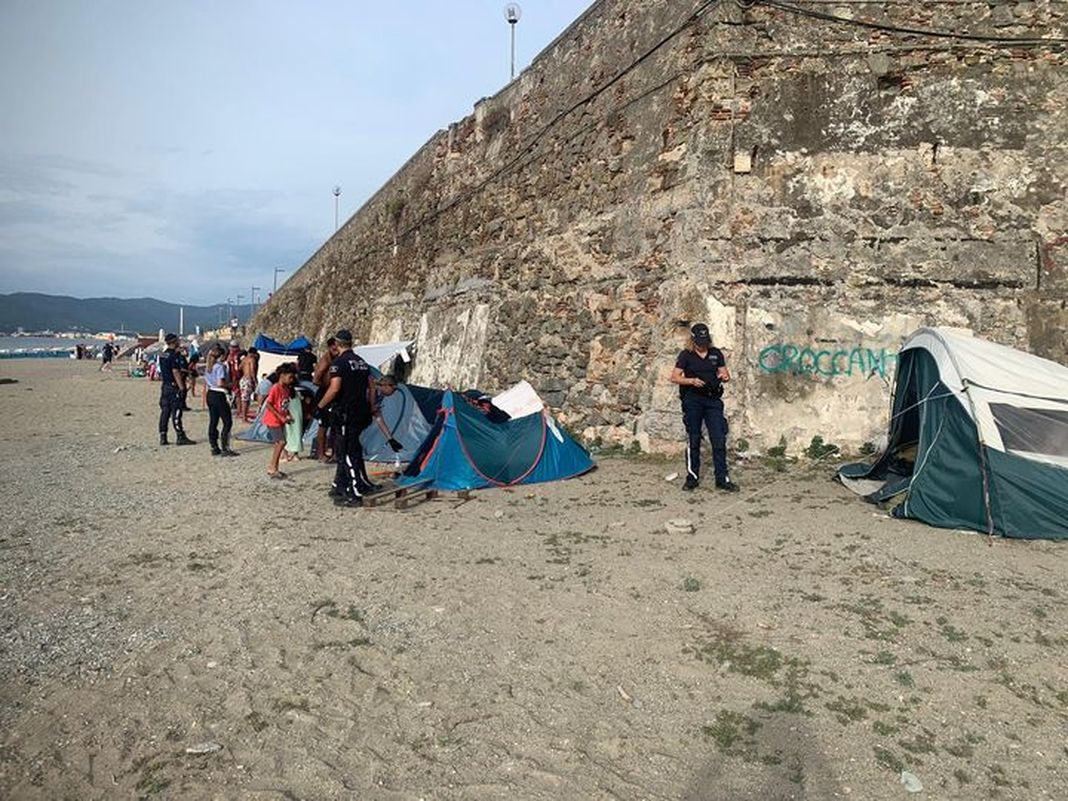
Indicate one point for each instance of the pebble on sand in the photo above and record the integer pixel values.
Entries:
(679, 525)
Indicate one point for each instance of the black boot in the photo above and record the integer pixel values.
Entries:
(163, 439)
(183, 439)
(215, 450)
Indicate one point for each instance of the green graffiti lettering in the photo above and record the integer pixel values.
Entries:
(787, 357)
(770, 359)
(828, 369)
(856, 361)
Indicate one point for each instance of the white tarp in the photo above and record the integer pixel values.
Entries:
(375, 355)
(378, 354)
(519, 401)
(983, 373)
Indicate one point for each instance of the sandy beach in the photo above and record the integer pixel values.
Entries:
(175, 626)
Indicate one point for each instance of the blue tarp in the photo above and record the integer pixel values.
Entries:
(468, 451)
(266, 344)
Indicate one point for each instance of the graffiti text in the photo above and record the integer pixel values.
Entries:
(798, 360)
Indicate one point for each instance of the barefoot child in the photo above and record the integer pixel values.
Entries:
(276, 414)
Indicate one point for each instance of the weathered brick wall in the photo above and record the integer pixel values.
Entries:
(814, 190)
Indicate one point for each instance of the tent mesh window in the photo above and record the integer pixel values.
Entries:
(1043, 431)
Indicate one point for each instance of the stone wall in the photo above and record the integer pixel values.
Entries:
(813, 189)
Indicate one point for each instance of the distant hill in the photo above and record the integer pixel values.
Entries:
(34, 311)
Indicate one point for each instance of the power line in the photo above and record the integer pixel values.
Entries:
(880, 26)
(540, 134)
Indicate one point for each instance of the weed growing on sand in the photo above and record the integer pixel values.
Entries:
(884, 729)
(787, 673)
(949, 631)
(690, 584)
(961, 749)
(921, 743)
(884, 658)
(847, 710)
(564, 544)
(888, 759)
(818, 449)
(874, 618)
(732, 732)
(962, 776)
(758, 662)
(904, 678)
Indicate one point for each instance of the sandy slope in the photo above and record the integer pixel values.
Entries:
(543, 643)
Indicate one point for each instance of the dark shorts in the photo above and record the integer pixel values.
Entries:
(276, 434)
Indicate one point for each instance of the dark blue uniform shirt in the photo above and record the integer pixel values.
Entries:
(169, 361)
(355, 377)
(694, 366)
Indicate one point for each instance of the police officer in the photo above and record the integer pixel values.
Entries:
(351, 395)
(172, 367)
(700, 371)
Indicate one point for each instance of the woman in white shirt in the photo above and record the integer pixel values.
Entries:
(217, 380)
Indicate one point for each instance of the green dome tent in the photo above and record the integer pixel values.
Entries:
(978, 439)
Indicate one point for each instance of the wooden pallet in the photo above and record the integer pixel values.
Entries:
(400, 494)
(404, 495)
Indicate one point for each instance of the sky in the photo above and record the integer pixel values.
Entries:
(183, 150)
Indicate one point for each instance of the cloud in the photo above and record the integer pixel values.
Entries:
(102, 233)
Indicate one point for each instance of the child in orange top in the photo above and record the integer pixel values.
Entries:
(276, 415)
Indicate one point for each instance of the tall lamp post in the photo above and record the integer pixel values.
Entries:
(337, 197)
(276, 271)
(512, 13)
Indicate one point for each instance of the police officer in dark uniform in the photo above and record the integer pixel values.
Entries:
(351, 396)
(172, 372)
(700, 371)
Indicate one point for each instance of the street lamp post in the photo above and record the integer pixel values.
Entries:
(276, 271)
(337, 201)
(512, 13)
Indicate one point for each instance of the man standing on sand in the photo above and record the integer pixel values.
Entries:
(352, 393)
(247, 383)
(701, 371)
(106, 355)
(172, 376)
(321, 377)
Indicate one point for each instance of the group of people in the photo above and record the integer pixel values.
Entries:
(339, 391)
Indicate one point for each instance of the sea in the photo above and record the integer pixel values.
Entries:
(42, 347)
